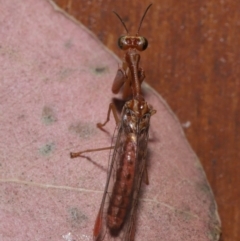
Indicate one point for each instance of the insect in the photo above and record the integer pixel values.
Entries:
(116, 219)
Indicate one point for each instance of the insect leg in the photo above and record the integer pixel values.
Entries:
(99, 125)
(119, 80)
(112, 108)
(77, 154)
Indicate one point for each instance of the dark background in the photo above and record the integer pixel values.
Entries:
(193, 62)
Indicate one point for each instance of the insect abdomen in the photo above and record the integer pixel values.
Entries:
(123, 186)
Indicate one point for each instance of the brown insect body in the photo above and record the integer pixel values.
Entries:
(133, 134)
(116, 219)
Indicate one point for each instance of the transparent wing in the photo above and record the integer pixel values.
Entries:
(101, 231)
(117, 215)
(130, 229)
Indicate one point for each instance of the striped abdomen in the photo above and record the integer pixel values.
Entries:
(123, 186)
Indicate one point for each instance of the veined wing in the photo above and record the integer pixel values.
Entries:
(141, 170)
(116, 217)
(101, 229)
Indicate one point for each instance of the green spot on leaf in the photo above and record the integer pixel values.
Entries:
(48, 115)
(47, 149)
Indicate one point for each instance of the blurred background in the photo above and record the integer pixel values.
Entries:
(193, 62)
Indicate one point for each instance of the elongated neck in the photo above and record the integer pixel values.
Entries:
(133, 58)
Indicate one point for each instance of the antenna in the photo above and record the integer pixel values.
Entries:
(140, 21)
(143, 17)
(121, 21)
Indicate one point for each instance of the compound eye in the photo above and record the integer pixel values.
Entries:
(142, 43)
(123, 43)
